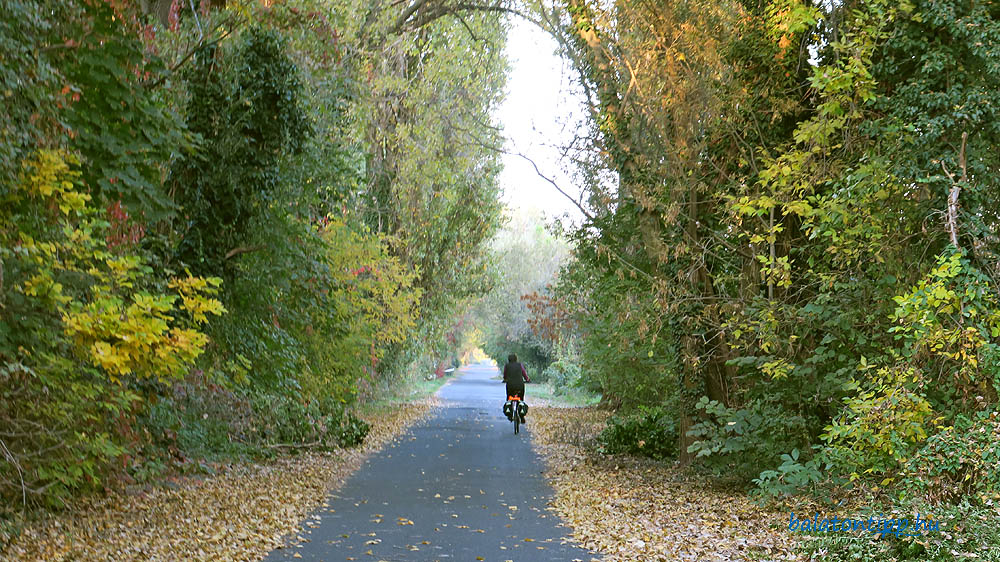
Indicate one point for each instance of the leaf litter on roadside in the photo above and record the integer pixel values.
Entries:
(240, 514)
(633, 509)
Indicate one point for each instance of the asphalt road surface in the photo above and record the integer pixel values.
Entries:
(457, 486)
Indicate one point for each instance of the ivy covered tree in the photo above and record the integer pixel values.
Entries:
(246, 107)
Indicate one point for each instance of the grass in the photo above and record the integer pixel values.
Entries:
(411, 390)
(423, 388)
(568, 398)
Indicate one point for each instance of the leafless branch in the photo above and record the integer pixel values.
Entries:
(243, 250)
(955, 191)
(553, 182)
(201, 44)
(13, 460)
(295, 445)
(197, 20)
(409, 11)
(423, 12)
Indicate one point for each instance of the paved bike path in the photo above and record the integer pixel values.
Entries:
(458, 486)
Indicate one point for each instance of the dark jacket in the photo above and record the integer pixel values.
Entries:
(514, 374)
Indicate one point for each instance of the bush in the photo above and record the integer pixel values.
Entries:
(192, 422)
(966, 531)
(793, 475)
(958, 462)
(287, 421)
(197, 424)
(563, 375)
(882, 424)
(741, 441)
(649, 432)
(352, 431)
(86, 323)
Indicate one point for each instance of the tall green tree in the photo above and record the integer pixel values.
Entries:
(433, 78)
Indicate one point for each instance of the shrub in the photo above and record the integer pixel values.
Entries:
(285, 420)
(563, 375)
(87, 323)
(352, 431)
(194, 423)
(649, 432)
(197, 423)
(793, 475)
(740, 441)
(958, 462)
(966, 531)
(882, 424)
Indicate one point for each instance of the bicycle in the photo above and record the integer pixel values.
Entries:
(515, 409)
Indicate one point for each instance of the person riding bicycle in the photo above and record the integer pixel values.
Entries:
(515, 375)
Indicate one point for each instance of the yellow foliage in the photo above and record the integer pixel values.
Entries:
(112, 324)
(192, 289)
(50, 176)
(883, 422)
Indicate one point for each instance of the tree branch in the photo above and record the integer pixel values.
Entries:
(554, 184)
(397, 26)
(243, 250)
(467, 28)
(200, 45)
(13, 460)
(404, 23)
(951, 216)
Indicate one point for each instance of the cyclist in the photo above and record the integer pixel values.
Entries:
(515, 375)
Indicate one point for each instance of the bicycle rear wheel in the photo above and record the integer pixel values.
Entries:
(517, 423)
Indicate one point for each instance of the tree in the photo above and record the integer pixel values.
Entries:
(526, 258)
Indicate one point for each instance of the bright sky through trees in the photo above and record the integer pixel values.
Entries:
(540, 114)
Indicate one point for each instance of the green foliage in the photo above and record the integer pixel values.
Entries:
(433, 159)
(881, 425)
(352, 431)
(371, 303)
(88, 321)
(647, 432)
(950, 324)
(959, 463)
(286, 421)
(792, 476)
(31, 81)
(739, 441)
(189, 422)
(967, 531)
(563, 375)
(76, 409)
(125, 134)
(253, 153)
(245, 105)
(625, 355)
(771, 268)
(929, 104)
(194, 423)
